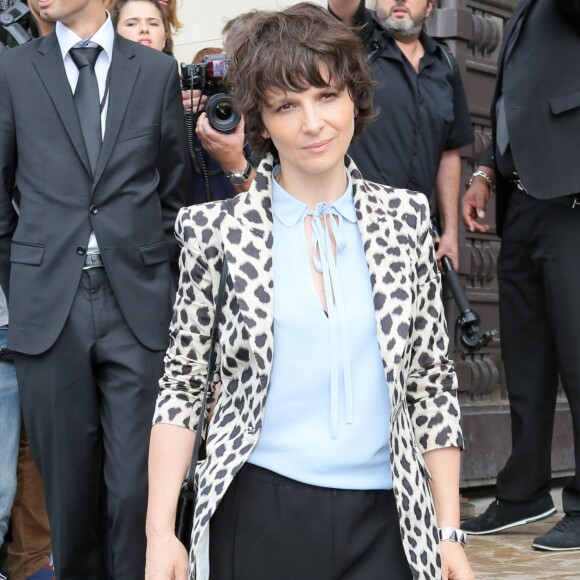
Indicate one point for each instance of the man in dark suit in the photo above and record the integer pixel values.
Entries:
(535, 162)
(87, 264)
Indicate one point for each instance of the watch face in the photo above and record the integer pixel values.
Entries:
(241, 178)
(238, 178)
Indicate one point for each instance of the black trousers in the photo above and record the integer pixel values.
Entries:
(271, 527)
(87, 404)
(539, 299)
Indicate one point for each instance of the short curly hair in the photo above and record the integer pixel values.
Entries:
(291, 50)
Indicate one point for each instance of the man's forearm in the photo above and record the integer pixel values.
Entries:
(447, 185)
(486, 175)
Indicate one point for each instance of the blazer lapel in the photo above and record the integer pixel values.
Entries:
(519, 12)
(50, 68)
(248, 243)
(387, 261)
(123, 73)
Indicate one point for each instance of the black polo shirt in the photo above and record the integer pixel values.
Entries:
(421, 114)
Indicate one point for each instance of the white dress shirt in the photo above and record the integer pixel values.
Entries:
(104, 37)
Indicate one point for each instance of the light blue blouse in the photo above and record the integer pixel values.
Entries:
(327, 414)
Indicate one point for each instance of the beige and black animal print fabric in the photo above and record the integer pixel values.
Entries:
(411, 332)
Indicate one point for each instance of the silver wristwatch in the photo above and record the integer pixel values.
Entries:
(240, 178)
(453, 535)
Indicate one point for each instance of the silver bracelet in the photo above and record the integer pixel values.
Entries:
(453, 535)
(484, 175)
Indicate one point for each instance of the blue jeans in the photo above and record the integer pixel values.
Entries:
(9, 436)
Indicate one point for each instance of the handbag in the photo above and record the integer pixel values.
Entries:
(187, 495)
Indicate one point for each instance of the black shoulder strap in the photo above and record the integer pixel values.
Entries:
(211, 361)
(446, 51)
(376, 41)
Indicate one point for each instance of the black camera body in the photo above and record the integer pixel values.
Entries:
(208, 77)
(16, 25)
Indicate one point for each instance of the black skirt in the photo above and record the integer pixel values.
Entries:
(270, 527)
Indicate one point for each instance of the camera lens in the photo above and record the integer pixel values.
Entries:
(221, 113)
(223, 110)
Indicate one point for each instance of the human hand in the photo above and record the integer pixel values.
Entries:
(166, 559)
(448, 247)
(454, 563)
(473, 205)
(226, 148)
(191, 100)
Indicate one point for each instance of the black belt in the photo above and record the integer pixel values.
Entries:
(571, 201)
(93, 261)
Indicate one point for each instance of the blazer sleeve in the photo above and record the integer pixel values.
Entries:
(487, 158)
(431, 381)
(181, 387)
(8, 217)
(173, 162)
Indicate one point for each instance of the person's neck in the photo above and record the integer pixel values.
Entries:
(413, 50)
(45, 27)
(88, 23)
(314, 189)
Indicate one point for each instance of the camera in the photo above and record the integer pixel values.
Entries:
(16, 25)
(208, 77)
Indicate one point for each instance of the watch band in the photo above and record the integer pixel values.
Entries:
(240, 178)
(453, 535)
(485, 176)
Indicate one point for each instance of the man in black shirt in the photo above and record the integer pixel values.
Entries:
(423, 119)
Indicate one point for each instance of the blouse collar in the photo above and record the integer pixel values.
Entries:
(289, 210)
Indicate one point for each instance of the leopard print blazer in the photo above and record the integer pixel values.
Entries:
(411, 331)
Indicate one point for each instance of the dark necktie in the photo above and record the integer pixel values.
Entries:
(87, 101)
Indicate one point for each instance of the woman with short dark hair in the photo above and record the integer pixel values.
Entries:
(333, 438)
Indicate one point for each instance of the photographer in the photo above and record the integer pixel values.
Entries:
(221, 154)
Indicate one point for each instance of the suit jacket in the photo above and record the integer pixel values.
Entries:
(411, 331)
(131, 203)
(541, 90)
